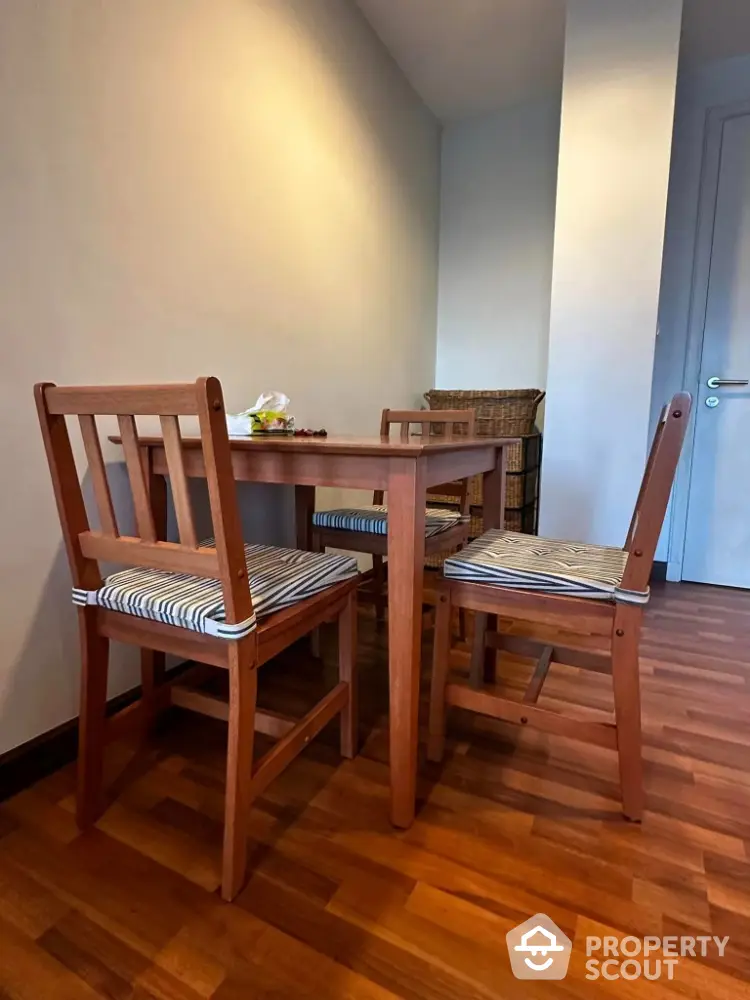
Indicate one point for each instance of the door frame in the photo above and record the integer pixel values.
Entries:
(716, 118)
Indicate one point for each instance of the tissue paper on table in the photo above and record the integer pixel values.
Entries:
(270, 414)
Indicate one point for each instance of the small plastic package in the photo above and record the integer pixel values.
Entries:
(270, 415)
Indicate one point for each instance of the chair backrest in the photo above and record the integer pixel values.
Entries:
(224, 561)
(454, 422)
(653, 496)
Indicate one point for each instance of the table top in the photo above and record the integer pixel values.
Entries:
(344, 445)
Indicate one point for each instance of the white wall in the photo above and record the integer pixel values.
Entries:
(615, 140)
(718, 83)
(243, 188)
(497, 226)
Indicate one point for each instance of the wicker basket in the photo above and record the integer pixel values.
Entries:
(523, 459)
(514, 492)
(499, 412)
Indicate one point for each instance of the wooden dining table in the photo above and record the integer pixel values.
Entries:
(404, 469)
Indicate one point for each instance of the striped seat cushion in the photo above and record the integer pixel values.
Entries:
(278, 578)
(374, 519)
(525, 562)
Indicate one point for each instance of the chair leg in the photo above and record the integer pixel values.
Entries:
(477, 670)
(349, 719)
(462, 630)
(490, 652)
(315, 645)
(315, 642)
(243, 685)
(91, 727)
(626, 683)
(378, 578)
(152, 676)
(440, 662)
(462, 612)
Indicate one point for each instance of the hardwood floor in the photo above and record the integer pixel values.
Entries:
(339, 905)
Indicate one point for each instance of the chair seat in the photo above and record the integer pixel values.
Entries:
(526, 562)
(278, 579)
(374, 519)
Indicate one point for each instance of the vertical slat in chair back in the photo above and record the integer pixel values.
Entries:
(170, 429)
(99, 481)
(653, 496)
(202, 399)
(453, 420)
(144, 518)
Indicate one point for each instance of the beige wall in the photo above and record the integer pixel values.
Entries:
(231, 187)
(498, 184)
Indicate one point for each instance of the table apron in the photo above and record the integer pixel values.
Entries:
(294, 469)
(364, 472)
(444, 467)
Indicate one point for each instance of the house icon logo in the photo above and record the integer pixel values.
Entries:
(538, 949)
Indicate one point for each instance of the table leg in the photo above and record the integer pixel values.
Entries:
(153, 662)
(406, 514)
(304, 506)
(493, 499)
(157, 491)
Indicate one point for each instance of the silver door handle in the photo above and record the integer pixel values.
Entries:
(714, 382)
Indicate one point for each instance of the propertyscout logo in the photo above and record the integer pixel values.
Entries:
(538, 949)
(650, 957)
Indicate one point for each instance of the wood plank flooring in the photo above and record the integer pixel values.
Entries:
(339, 905)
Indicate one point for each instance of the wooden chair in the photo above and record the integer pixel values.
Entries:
(580, 588)
(365, 529)
(207, 613)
